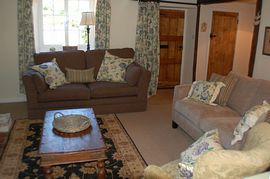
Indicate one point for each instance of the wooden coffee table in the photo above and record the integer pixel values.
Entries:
(56, 150)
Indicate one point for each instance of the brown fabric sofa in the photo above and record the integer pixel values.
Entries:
(103, 97)
(196, 118)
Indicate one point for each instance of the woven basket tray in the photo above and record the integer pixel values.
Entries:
(70, 123)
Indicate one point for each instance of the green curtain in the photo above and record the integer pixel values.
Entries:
(103, 22)
(26, 46)
(147, 41)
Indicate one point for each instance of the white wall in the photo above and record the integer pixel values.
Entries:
(9, 72)
(123, 23)
(243, 40)
(262, 63)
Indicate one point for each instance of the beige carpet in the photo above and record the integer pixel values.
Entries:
(150, 130)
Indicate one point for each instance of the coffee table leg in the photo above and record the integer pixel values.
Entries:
(47, 172)
(101, 169)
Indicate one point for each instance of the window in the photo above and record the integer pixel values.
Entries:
(57, 24)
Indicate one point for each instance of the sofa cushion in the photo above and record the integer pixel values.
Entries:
(241, 98)
(113, 68)
(225, 126)
(54, 77)
(205, 91)
(101, 89)
(65, 93)
(94, 57)
(80, 76)
(263, 93)
(69, 59)
(133, 74)
(253, 116)
(196, 111)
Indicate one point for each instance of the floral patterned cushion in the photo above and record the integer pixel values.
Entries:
(209, 141)
(205, 91)
(54, 77)
(185, 170)
(113, 68)
(256, 114)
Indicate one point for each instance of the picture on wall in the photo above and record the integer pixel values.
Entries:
(266, 43)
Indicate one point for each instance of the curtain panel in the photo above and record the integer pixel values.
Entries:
(103, 22)
(147, 41)
(26, 46)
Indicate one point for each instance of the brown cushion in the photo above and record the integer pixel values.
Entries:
(39, 82)
(69, 59)
(133, 74)
(66, 93)
(80, 76)
(101, 89)
(225, 92)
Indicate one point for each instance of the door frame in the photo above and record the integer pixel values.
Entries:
(254, 37)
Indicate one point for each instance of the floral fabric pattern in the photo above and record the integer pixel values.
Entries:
(185, 170)
(113, 68)
(54, 77)
(103, 22)
(147, 41)
(26, 45)
(253, 116)
(208, 142)
(205, 91)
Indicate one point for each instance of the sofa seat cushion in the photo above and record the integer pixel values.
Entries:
(66, 93)
(196, 111)
(225, 126)
(101, 89)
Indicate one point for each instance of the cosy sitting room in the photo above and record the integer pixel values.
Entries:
(153, 89)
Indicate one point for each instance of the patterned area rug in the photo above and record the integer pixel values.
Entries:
(20, 159)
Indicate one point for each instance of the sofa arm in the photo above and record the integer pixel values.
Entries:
(180, 92)
(155, 172)
(143, 83)
(30, 87)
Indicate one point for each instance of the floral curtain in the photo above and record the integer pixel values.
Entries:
(26, 46)
(103, 22)
(147, 41)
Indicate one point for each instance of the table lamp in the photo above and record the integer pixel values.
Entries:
(88, 18)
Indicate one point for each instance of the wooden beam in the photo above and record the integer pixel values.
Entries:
(196, 42)
(254, 40)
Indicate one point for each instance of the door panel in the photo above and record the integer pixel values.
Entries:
(222, 43)
(171, 42)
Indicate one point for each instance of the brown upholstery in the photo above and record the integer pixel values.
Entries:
(102, 89)
(69, 59)
(103, 97)
(66, 93)
(132, 74)
(40, 83)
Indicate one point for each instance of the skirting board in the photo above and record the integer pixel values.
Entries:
(13, 100)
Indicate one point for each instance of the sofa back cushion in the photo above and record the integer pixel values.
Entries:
(241, 98)
(263, 93)
(65, 59)
(94, 57)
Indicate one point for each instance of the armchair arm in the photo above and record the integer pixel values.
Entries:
(143, 83)
(155, 172)
(180, 92)
(30, 87)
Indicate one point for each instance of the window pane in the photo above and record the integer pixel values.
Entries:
(52, 37)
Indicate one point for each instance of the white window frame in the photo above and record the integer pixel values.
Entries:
(40, 46)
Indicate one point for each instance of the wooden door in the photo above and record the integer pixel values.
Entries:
(222, 43)
(171, 45)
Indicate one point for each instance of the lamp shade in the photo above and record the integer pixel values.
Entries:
(88, 18)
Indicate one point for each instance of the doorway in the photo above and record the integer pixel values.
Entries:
(171, 46)
(222, 42)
